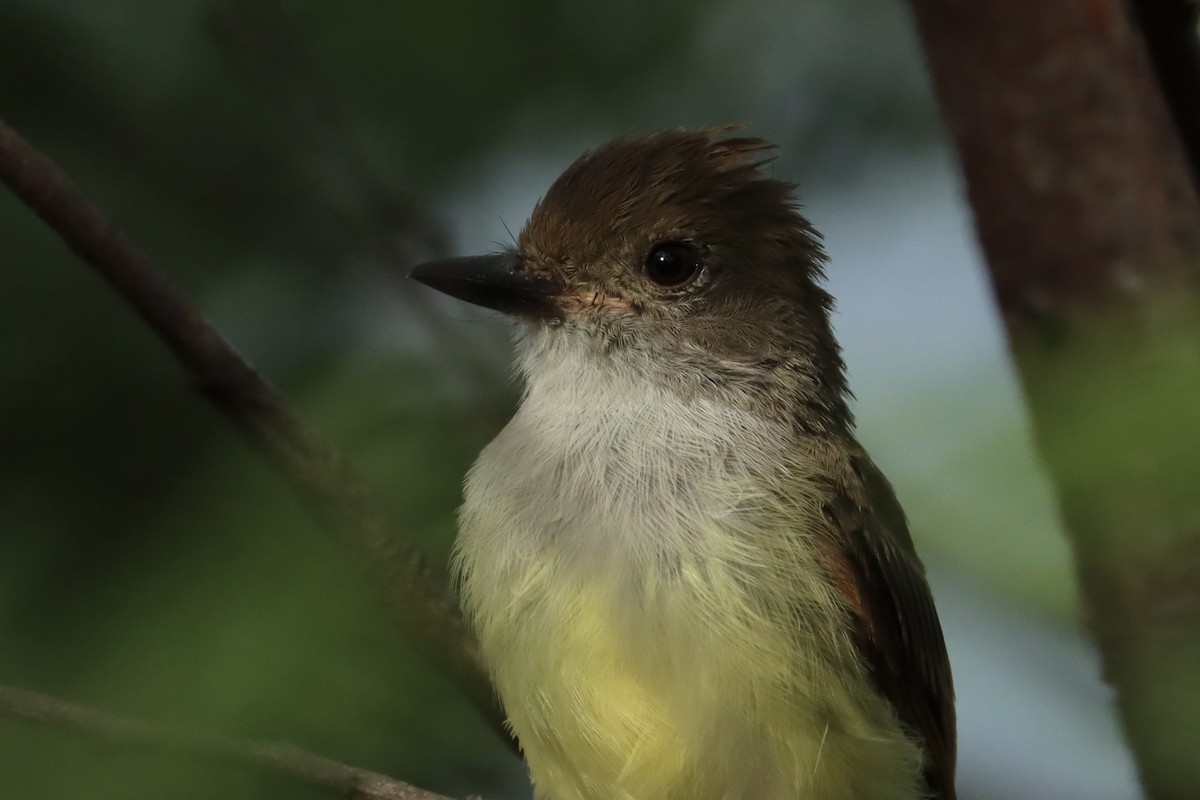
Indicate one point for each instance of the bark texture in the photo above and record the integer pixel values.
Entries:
(1088, 216)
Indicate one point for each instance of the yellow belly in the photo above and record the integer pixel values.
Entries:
(653, 614)
(683, 692)
(605, 710)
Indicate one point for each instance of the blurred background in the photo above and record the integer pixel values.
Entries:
(285, 162)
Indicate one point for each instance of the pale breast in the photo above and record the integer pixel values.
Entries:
(644, 591)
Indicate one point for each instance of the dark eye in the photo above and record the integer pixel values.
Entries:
(672, 264)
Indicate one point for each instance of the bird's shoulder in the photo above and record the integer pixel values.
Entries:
(868, 555)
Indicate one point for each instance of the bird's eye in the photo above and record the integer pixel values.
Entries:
(673, 264)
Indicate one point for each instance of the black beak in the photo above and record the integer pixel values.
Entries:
(492, 282)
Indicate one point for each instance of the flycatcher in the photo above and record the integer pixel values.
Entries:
(689, 580)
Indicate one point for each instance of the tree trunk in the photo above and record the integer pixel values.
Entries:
(1090, 223)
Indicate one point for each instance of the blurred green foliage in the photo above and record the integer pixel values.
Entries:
(280, 160)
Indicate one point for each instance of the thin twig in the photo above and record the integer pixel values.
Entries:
(413, 590)
(282, 760)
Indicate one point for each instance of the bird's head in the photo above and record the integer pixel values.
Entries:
(678, 252)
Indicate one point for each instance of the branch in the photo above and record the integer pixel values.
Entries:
(1085, 208)
(413, 590)
(282, 760)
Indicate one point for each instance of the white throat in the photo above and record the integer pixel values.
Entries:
(613, 464)
(624, 549)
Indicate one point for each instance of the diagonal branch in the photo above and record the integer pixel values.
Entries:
(282, 760)
(412, 589)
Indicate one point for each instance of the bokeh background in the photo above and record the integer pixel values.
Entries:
(285, 162)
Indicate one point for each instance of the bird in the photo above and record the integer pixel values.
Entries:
(687, 578)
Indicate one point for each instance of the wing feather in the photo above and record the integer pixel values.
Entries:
(897, 627)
